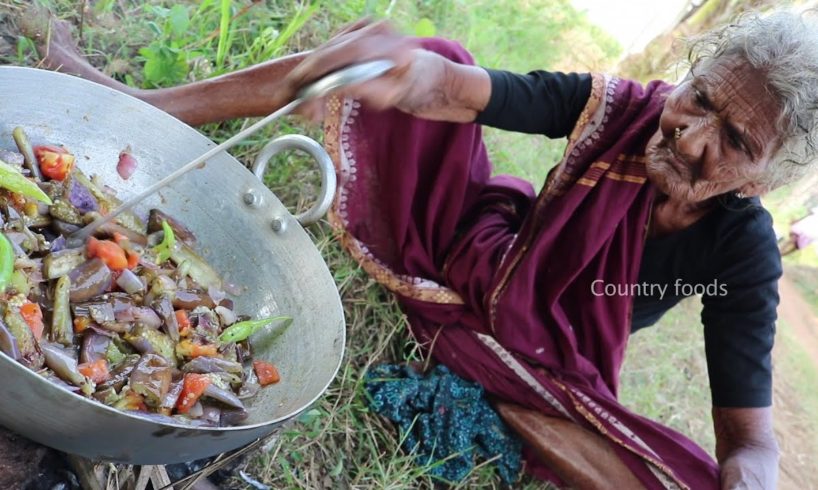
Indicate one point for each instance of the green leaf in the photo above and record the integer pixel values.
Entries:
(425, 28)
(224, 30)
(163, 65)
(178, 20)
(154, 27)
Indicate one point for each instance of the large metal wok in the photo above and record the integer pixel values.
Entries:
(243, 231)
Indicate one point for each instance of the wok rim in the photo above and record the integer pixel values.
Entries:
(205, 140)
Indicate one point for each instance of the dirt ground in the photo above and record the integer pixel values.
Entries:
(799, 468)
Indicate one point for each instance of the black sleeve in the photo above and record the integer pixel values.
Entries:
(739, 320)
(540, 102)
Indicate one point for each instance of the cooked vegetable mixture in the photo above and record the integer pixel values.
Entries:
(134, 319)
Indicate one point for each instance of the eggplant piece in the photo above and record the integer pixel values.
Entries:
(149, 341)
(79, 196)
(108, 229)
(58, 264)
(107, 396)
(249, 386)
(64, 211)
(198, 270)
(233, 417)
(139, 314)
(121, 373)
(55, 380)
(206, 325)
(130, 282)
(164, 308)
(8, 343)
(89, 279)
(223, 396)
(112, 354)
(230, 353)
(62, 328)
(63, 228)
(189, 299)
(94, 347)
(211, 414)
(65, 366)
(171, 397)
(166, 419)
(31, 355)
(151, 378)
(162, 285)
(58, 244)
(180, 231)
(29, 160)
(108, 202)
(205, 364)
(39, 221)
(102, 313)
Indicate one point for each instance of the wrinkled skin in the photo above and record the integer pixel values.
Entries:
(728, 134)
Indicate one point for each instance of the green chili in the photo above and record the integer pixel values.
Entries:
(242, 330)
(6, 262)
(13, 180)
(165, 249)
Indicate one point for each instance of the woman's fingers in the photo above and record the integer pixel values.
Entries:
(373, 41)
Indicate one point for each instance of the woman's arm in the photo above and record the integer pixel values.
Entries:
(746, 448)
(422, 83)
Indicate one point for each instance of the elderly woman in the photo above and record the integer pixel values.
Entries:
(527, 293)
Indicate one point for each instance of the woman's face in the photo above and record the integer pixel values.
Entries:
(726, 133)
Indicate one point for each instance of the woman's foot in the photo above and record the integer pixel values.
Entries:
(54, 41)
(58, 49)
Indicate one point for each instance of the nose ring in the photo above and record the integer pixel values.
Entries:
(677, 133)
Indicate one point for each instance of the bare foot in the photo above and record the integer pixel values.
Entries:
(58, 49)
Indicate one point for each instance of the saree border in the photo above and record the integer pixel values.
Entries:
(340, 116)
(589, 126)
(590, 411)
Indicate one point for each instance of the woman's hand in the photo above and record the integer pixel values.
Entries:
(422, 83)
(746, 448)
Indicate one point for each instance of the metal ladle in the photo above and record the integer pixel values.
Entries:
(350, 75)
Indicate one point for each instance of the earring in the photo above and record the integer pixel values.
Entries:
(741, 195)
(677, 133)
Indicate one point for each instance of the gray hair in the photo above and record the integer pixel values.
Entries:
(784, 46)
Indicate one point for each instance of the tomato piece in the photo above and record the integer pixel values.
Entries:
(184, 322)
(190, 349)
(193, 387)
(267, 373)
(97, 370)
(55, 162)
(133, 259)
(81, 323)
(33, 316)
(108, 251)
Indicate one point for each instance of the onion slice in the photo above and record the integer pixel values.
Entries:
(127, 164)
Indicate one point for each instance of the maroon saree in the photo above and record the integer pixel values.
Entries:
(495, 280)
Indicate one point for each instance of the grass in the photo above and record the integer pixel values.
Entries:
(674, 391)
(340, 443)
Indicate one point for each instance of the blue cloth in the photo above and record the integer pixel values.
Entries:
(442, 416)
